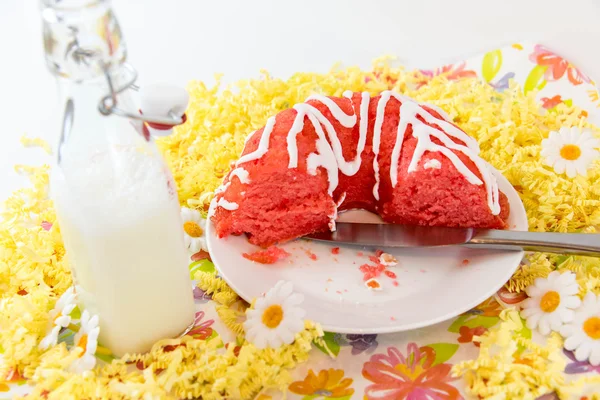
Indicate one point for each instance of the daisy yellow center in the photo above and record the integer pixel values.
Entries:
(192, 229)
(272, 316)
(591, 327)
(83, 344)
(550, 300)
(570, 152)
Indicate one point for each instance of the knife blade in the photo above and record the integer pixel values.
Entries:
(394, 235)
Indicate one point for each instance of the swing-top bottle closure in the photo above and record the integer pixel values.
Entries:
(94, 48)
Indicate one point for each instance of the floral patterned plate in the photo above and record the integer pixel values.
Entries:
(425, 287)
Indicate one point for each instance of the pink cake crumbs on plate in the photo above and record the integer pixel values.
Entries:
(371, 271)
(389, 274)
(335, 250)
(269, 256)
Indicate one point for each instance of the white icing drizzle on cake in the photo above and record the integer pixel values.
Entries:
(243, 176)
(228, 205)
(432, 164)
(348, 168)
(329, 155)
(263, 144)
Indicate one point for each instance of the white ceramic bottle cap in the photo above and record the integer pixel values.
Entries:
(163, 100)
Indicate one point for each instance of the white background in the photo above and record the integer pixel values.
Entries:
(176, 41)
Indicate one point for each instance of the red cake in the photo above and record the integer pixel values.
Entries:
(387, 154)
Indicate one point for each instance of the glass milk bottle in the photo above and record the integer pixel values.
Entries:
(115, 198)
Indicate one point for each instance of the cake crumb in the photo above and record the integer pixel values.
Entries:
(387, 259)
(329, 280)
(269, 256)
(389, 274)
(373, 284)
(360, 254)
(393, 318)
(422, 271)
(371, 271)
(335, 250)
(395, 283)
(338, 291)
(311, 255)
(465, 262)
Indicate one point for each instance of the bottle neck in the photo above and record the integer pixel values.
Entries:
(81, 37)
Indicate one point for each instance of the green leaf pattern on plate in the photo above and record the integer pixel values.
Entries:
(535, 80)
(492, 62)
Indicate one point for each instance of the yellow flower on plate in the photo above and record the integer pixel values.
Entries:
(582, 335)
(551, 302)
(571, 150)
(87, 340)
(276, 317)
(59, 318)
(193, 227)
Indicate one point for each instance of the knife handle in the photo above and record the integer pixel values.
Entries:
(583, 244)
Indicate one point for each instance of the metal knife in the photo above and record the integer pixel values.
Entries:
(392, 235)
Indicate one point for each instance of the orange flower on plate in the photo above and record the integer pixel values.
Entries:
(466, 334)
(408, 376)
(551, 102)
(328, 384)
(557, 66)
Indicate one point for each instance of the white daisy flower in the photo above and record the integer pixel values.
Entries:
(87, 340)
(551, 302)
(276, 317)
(583, 334)
(59, 317)
(571, 150)
(193, 227)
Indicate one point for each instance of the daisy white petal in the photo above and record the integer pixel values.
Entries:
(583, 351)
(544, 327)
(572, 301)
(589, 300)
(259, 341)
(572, 341)
(294, 300)
(286, 336)
(528, 309)
(595, 356)
(533, 320)
(51, 339)
(533, 291)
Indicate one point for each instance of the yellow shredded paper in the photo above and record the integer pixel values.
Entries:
(509, 127)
